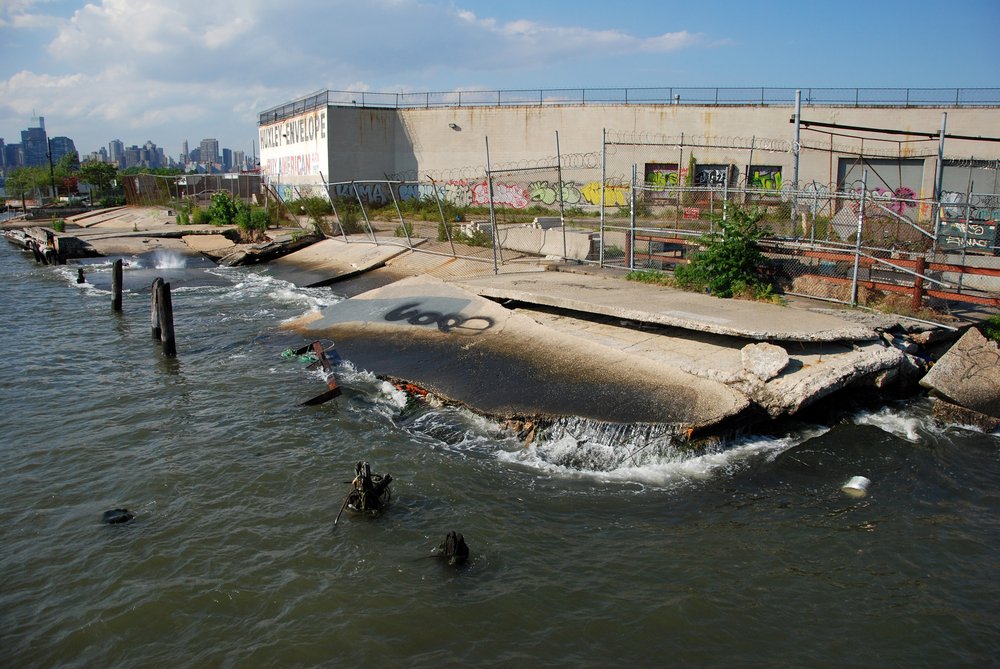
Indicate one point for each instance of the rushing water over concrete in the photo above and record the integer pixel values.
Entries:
(595, 546)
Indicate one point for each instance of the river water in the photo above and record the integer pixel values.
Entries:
(591, 549)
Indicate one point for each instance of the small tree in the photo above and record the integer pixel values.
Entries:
(731, 262)
(99, 175)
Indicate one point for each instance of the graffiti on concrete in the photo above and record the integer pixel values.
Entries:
(510, 195)
(469, 193)
(980, 207)
(711, 176)
(896, 201)
(548, 193)
(614, 196)
(765, 177)
(411, 313)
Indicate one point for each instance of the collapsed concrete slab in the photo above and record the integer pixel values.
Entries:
(473, 351)
(809, 371)
(644, 303)
(968, 374)
(331, 260)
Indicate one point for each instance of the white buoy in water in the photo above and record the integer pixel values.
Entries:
(857, 486)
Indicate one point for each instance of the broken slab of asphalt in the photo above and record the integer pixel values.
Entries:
(333, 260)
(472, 351)
(639, 302)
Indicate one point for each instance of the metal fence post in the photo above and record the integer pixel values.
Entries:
(402, 221)
(364, 212)
(631, 227)
(604, 185)
(559, 186)
(857, 243)
(447, 228)
(493, 215)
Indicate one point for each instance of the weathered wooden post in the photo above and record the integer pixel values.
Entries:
(918, 283)
(154, 307)
(166, 315)
(116, 286)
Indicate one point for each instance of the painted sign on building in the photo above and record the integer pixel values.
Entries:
(294, 147)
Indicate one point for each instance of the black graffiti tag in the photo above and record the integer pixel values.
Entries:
(445, 322)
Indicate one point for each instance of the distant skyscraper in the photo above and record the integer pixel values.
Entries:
(239, 160)
(116, 152)
(102, 154)
(227, 159)
(184, 153)
(60, 147)
(209, 151)
(35, 145)
(133, 156)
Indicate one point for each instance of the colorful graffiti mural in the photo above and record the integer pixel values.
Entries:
(896, 201)
(468, 193)
(765, 177)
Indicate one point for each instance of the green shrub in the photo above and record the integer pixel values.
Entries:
(991, 328)
(183, 217)
(404, 229)
(224, 209)
(259, 219)
(731, 263)
(348, 215)
(200, 216)
(59, 225)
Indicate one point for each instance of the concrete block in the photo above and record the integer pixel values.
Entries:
(969, 374)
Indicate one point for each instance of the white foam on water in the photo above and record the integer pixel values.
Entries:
(903, 423)
(661, 464)
(250, 285)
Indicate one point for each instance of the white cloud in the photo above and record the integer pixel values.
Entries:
(110, 66)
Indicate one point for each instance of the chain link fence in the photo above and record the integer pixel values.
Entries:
(646, 202)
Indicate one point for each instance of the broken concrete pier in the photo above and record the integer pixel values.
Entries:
(545, 344)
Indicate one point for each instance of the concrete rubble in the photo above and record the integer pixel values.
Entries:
(968, 378)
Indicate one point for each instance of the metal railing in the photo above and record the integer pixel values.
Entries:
(681, 95)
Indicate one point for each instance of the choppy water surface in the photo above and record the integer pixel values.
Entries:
(596, 547)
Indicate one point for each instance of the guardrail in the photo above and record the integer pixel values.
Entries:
(682, 95)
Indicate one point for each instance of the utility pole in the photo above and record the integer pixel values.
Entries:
(52, 170)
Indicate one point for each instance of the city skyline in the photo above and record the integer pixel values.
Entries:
(138, 70)
(35, 145)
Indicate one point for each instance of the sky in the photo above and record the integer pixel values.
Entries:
(139, 70)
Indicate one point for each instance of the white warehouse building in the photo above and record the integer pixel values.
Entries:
(729, 137)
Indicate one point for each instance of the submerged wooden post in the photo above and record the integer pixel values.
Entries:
(166, 316)
(154, 307)
(116, 286)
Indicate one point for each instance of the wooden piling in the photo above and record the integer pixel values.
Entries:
(154, 308)
(116, 286)
(166, 315)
